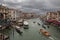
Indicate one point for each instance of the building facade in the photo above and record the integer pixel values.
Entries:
(27, 15)
(53, 15)
(8, 12)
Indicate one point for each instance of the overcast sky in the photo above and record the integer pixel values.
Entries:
(32, 5)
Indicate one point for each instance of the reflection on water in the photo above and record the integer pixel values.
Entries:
(32, 33)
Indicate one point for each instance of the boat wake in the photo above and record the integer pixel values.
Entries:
(51, 38)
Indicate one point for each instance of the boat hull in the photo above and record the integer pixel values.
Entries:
(44, 33)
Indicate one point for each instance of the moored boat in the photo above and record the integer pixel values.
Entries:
(2, 27)
(20, 22)
(3, 37)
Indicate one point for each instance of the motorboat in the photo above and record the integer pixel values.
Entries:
(3, 36)
(18, 29)
(45, 33)
(26, 25)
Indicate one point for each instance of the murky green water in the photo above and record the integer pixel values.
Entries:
(33, 32)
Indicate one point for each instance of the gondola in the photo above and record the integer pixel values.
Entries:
(20, 22)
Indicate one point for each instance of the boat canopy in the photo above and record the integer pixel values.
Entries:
(57, 23)
(50, 21)
(25, 23)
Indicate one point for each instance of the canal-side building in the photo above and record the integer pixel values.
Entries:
(12, 14)
(8, 12)
(58, 16)
(27, 15)
(4, 11)
(52, 15)
(43, 17)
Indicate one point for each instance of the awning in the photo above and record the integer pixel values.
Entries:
(57, 22)
(50, 21)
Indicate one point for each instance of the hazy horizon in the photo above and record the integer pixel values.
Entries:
(38, 6)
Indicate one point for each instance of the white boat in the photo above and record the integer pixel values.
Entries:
(25, 23)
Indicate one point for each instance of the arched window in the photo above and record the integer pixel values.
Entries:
(1, 15)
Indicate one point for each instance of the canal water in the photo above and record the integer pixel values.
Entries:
(33, 32)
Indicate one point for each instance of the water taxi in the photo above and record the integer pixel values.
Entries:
(45, 33)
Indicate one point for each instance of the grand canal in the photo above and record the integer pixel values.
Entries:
(33, 32)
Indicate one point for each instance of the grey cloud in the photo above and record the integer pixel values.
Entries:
(55, 3)
(34, 5)
(1, 1)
